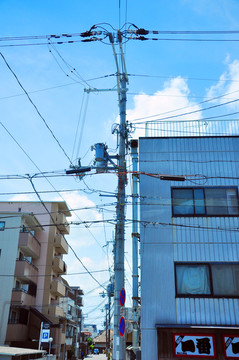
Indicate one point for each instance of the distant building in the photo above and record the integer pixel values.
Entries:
(100, 341)
(189, 247)
(71, 304)
(92, 329)
(32, 246)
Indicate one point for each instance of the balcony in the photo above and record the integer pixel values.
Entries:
(17, 332)
(57, 288)
(63, 338)
(69, 340)
(60, 244)
(59, 266)
(29, 245)
(22, 297)
(25, 270)
(79, 301)
(62, 224)
(54, 312)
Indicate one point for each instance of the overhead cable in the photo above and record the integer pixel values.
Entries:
(35, 107)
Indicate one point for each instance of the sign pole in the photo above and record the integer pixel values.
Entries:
(39, 345)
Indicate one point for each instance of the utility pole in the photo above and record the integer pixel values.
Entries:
(135, 239)
(109, 328)
(119, 343)
(110, 292)
(102, 159)
(106, 326)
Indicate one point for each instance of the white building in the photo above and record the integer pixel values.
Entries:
(189, 247)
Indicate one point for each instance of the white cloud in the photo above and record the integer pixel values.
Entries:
(83, 209)
(172, 100)
(227, 88)
(23, 197)
(76, 201)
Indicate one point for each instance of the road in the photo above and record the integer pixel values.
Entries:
(96, 357)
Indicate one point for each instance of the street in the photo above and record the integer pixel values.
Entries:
(96, 357)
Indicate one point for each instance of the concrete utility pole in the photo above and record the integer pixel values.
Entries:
(102, 159)
(119, 343)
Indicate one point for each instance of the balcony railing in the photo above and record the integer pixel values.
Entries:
(60, 244)
(25, 270)
(17, 332)
(29, 245)
(57, 288)
(62, 224)
(21, 296)
(54, 313)
(59, 266)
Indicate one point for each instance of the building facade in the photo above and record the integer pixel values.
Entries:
(189, 247)
(72, 304)
(32, 249)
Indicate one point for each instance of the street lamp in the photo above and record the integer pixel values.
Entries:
(50, 341)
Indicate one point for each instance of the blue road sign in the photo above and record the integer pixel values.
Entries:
(45, 335)
(122, 326)
(122, 297)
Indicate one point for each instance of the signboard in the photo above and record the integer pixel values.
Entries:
(45, 335)
(231, 346)
(122, 326)
(122, 311)
(191, 345)
(122, 297)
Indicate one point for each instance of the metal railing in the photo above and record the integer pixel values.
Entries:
(27, 261)
(192, 128)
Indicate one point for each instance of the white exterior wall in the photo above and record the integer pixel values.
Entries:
(9, 246)
(162, 245)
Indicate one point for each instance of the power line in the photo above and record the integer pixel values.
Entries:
(77, 257)
(138, 31)
(187, 113)
(70, 68)
(35, 107)
(142, 38)
(193, 105)
(30, 178)
(185, 78)
(56, 87)
(49, 275)
(142, 222)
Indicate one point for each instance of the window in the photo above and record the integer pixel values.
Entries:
(207, 279)
(193, 279)
(217, 201)
(13, 317)
(2, 225)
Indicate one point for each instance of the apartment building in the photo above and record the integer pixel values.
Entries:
(71, 305)
(31, 264)
(189, 247)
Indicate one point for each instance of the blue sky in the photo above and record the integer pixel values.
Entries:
(181, 74)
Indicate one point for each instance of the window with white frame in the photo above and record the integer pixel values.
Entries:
(207, 279)
(205, 201)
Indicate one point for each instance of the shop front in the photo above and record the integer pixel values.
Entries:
(197, 342)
